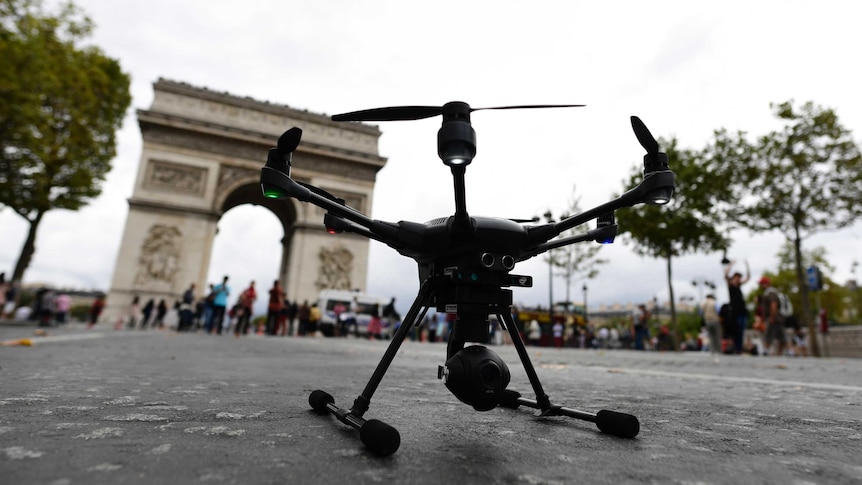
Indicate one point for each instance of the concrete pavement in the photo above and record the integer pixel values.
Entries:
(106, 406)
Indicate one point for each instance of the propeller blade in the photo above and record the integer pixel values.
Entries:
(288, 141)
(392, 113)
(532, 106)
(399, 113)
(644, 136)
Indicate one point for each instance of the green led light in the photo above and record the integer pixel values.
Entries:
(272, 192)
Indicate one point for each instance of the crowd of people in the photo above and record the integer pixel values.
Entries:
(727, 328)
(49, 307)
(770, 328)
(213, 313)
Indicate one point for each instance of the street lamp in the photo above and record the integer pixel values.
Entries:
(699, 283)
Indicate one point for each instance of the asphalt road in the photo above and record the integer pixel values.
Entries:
(105, 406)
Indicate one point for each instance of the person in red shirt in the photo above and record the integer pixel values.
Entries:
(276, 302)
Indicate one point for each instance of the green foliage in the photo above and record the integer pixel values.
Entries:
(689, 324)
(60, 107)
(805, 178)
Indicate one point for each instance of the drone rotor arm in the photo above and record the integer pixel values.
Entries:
(599, 234)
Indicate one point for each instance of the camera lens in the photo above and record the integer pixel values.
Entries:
(489, 375)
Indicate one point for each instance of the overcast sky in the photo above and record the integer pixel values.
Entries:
(686, 68)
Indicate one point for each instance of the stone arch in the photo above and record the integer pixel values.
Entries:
(201, 157)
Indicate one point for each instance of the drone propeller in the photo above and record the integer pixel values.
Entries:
(288, 141)
(644, 136)
(404, 113)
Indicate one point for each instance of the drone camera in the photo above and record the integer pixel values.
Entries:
(477, 376)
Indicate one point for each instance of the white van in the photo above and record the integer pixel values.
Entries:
(331, 301)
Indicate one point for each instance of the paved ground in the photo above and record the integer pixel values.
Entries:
(105, 406)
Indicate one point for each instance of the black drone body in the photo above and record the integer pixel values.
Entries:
(465, 265)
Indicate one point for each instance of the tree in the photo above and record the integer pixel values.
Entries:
(804, 179)
(833, 296)
(60, 107)
(575, 260)
(693, 220)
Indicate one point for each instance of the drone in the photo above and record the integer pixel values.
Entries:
(465, 265)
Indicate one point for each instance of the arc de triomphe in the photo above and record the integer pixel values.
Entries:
(202, 154)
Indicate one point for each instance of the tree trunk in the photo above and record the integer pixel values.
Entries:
(28, 250)
(803, 293)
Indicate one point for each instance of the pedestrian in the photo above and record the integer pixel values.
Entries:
(557, 333)
(713, 326)
(62, 305)
(186, 309)
(207, 315)
(134, 312)
(147, 312)
(769, 308)
(11, 295)
(273, 309)
(313, 319)
(292, 312)
(375, 325)
(220, 294)
(534, 332)
(304, 316)
(161, 311)
(4, 288)
(640, 327)
(246, 302)
(603, 335)
(283, 318)
(390, 314)
(96, 310)
(432, 329)
(737, 303)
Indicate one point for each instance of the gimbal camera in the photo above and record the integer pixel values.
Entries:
(464, 269)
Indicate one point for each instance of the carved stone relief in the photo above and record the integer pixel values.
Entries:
(160, 256)
(336, 266)
(176, 178)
